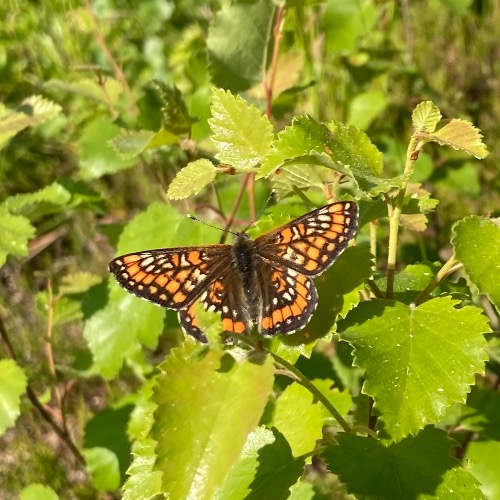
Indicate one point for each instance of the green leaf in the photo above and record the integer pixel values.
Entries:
(345, 22)
(29, 204)
(77, 283)
(476, 241)
(37, 491)
(304, 136)
(237, 44)
(103, 467)
(353, 148)
(191, 179)
(366, 107)
(15, 231)
(199, 398)
(277, 472)
(425, 117)
(107, 430)
(460, 135)
(237, 483)
(175, 118)
(104, 91)
(241, 133)
(418, 361)
(463, 179)
(482, 413)
(132, 143)
(13, 383)
(97, 156)
(298, 419)
(417, 467)
(143, 481)
(302, 491)
(113, 333)
(483, 457)
(341, 400)
(32, 111)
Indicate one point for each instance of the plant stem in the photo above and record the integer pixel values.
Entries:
(298, 376)
(304, 381)
(62, 433)
(395, 216)
(448, 268)
(271, 76)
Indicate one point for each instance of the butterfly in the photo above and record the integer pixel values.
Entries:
(264, 282)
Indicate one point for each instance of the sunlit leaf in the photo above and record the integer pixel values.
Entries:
(191, 179)
(199, 398)
(476, 241)
(97, 155)
(15, 231)
(417, 360)
(38, 492)
(12, 385)
(32, 111)
(460, 135)
(298, 419)
(103, 467)
(241, 133)
(425, 117)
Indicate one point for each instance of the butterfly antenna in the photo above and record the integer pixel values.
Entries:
(192, 217)
(261, 211)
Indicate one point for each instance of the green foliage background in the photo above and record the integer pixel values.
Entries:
(118, 118)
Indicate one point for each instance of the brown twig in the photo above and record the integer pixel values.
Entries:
(234, 208)
(109, 56)
(46, 415)
(269, 82)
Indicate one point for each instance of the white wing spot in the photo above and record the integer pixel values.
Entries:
(146, 262)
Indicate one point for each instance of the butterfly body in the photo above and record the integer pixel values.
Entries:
(264, 282)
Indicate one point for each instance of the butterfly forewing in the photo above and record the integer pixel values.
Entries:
(312, 242)
(173, 277)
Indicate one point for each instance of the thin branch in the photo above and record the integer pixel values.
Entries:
(294, 373)
(395, 216)
(234, 208)
(46, 415)
(271, 76)
(50, 356)
(109, 56)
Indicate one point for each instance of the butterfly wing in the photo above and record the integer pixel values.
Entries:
(171, 277)
(289, 299)
(225, 296)
(311, 243)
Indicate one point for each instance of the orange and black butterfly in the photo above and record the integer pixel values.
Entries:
(264, 282)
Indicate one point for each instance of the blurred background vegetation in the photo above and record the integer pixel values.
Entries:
(366, 62)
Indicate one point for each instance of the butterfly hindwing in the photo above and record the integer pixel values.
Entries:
(223, 295)
(289, 299)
